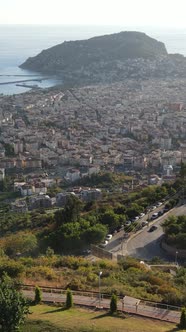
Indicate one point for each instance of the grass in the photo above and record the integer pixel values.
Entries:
(55, 319)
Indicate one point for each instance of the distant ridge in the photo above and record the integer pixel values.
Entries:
(105, 58)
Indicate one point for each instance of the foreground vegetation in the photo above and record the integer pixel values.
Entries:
(55, 319)
(128, 277)
(175, 231)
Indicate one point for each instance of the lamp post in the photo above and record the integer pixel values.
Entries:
(100, 273)
(176, 258)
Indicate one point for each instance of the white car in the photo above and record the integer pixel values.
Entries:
(128, 223)
(142, 215)
(104, 244)
(109, 237)
(154, 216)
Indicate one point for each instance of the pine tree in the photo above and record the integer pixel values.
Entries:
(38, 295)
(113, 304)
(182, 324)
(69, 299)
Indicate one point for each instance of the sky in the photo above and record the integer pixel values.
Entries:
(162, 13)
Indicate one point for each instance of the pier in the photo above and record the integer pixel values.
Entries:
(30, 86)
(28, 80)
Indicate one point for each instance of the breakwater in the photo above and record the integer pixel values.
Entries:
(22, 81)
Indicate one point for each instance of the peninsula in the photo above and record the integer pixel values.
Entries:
(108, 58)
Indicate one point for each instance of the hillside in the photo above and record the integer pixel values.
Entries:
(108, 58)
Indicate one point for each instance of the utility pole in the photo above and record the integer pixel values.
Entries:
(100, 273)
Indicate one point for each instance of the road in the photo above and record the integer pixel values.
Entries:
(127, 304)
(146, 245)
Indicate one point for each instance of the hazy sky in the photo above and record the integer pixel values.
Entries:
(164, 13)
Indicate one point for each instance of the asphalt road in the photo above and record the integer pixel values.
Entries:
(146, 245)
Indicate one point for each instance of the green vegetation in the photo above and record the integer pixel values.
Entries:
(9, 150)
(175, 231)
(105, 180)
(13, 306)
(38, 295)
(108, 48)
(54, 319)
(31, 244)
(78, 224)
(182, 324)
(128, 277)
(69, 299)
(113, 304)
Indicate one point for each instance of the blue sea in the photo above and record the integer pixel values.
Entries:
(18, 42)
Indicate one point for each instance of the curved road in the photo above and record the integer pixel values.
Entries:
(146, 245)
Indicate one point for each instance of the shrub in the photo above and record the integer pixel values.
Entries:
(182, 324)
(113, 304)
(38, 295)
(69, 300)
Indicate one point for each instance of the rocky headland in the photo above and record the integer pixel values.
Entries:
(108, 58)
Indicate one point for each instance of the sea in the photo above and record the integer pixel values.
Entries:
(18, 42)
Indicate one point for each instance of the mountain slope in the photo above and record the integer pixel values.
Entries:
(75, 54)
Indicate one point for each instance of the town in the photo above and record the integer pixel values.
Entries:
(130, 127)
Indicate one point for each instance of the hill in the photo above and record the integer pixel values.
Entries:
(75, 54)
(107, 59)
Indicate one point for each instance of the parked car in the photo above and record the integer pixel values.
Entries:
(160, 213)
(142, 215)
(103, 244)
(108, 237)
(128, 223)
(153, 228)
(135, 219)
(154, 216)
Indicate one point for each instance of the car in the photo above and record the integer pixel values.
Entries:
(142, 215)
(86, 252)
(128, 223)
(103, 244)
(135, 219)
(108, 237)
(154, 216)
(166, 209)
(159, 203)
(160, 213)
(153, 228)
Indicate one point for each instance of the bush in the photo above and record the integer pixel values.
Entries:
(38, 295)
(182, 324)
(69, 300)
(113, 304)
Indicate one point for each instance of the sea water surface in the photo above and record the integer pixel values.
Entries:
(18, 42)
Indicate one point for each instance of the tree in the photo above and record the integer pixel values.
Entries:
(23, 243)
(183, 170)
(110, 219)
(182, 324)
(113, 304)
(69, 299)
(13, 306)
(95, 234)
(70, 213)
(38, 295)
